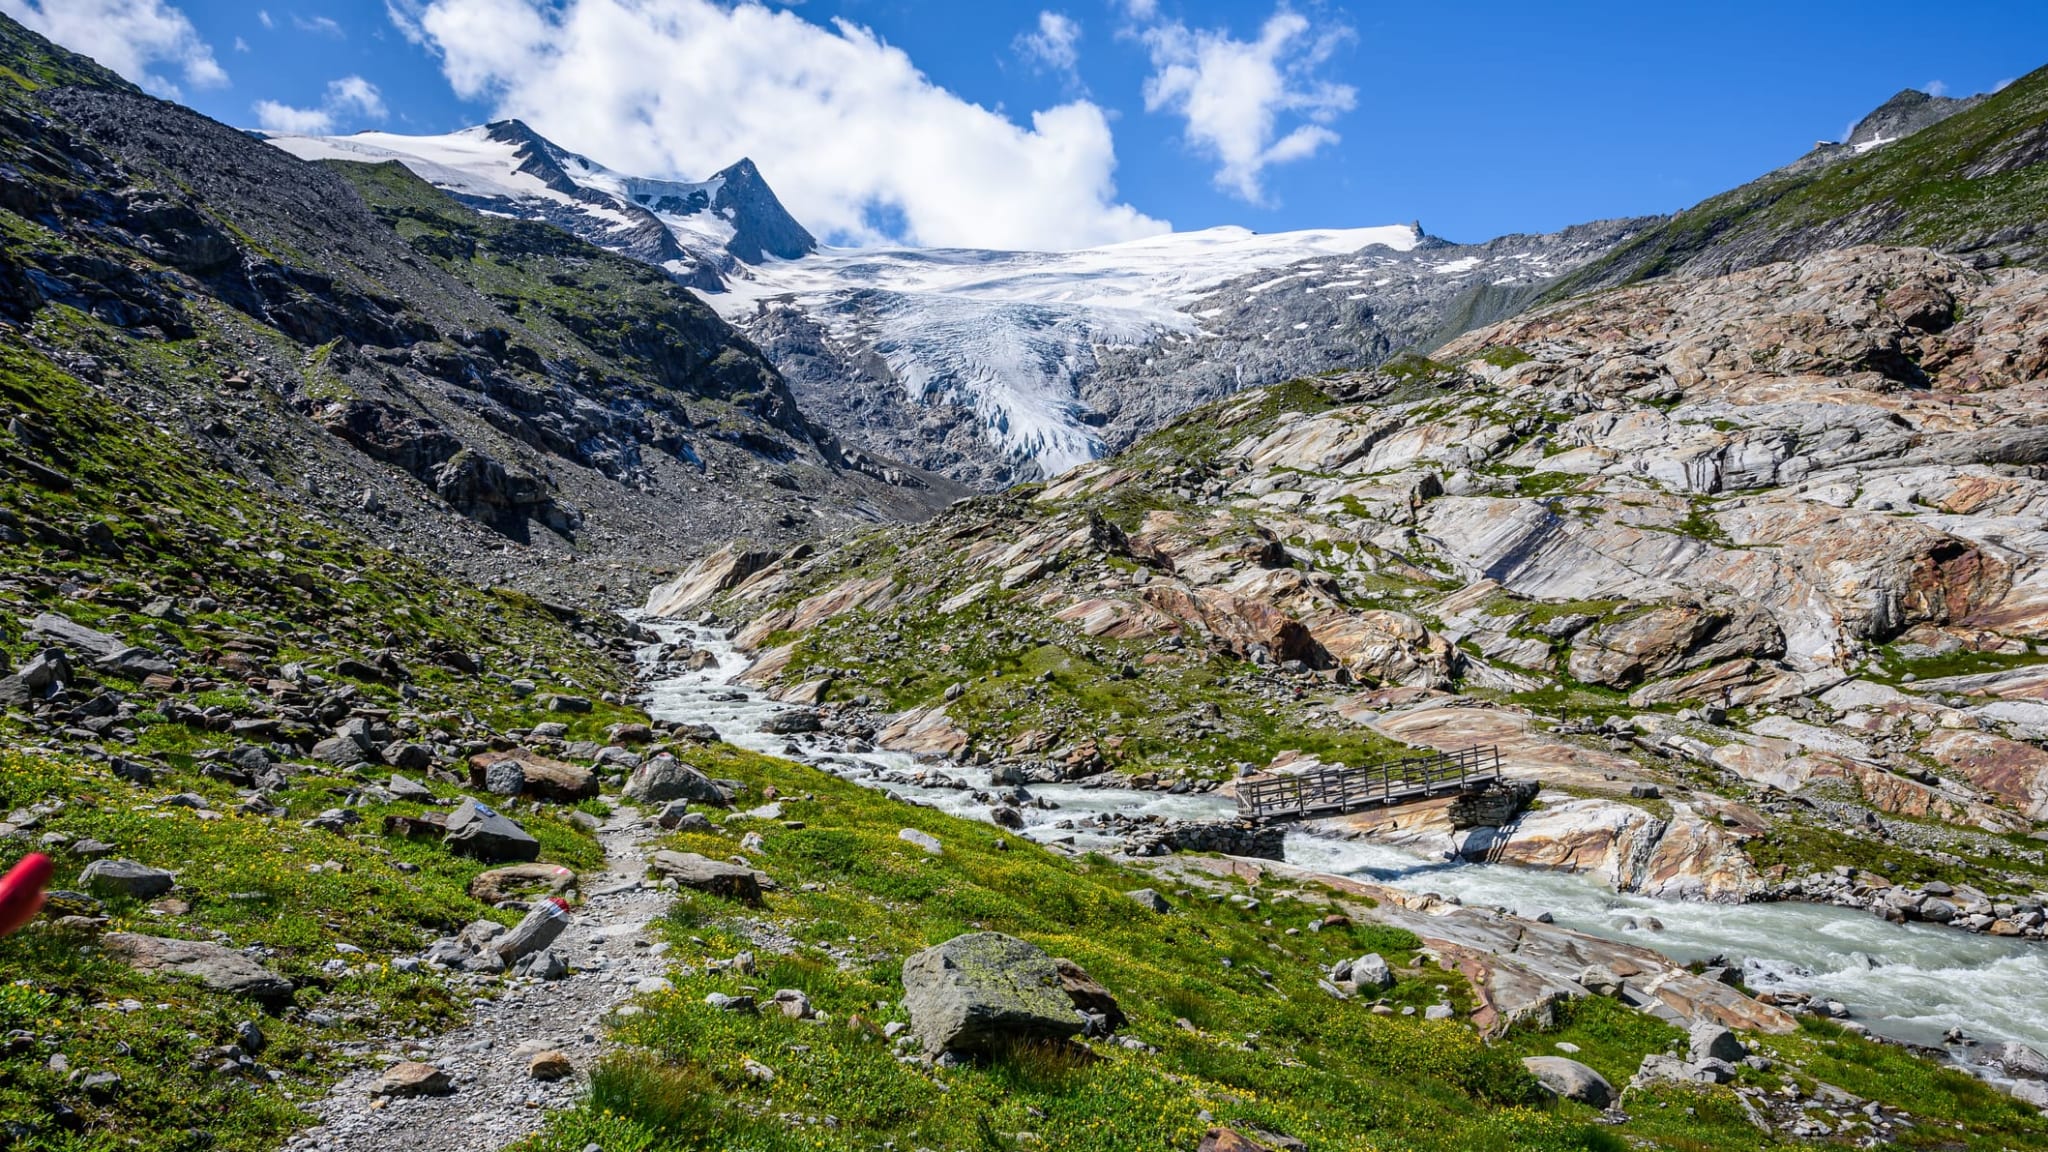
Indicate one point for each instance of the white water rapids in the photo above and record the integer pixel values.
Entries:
(1910, 982)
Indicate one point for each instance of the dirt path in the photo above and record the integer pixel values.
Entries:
(495, 1100)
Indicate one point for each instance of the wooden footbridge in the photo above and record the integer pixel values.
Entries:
(1335, 791)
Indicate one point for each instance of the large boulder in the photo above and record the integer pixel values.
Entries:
(664, 778)
(1713, 1042)
(703, 874)
(62, 630)
(219, 969)
(126, 878)
(1368, 973)
(504, 883)
(538, 775)
(977, 992)
(1570, 1079)
(2020, 1061)
(479, 832)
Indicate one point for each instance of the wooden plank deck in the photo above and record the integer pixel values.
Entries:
(1335, 791)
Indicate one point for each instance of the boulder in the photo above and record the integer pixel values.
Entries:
(703, 874)
(134, 663)
(507, 882)
(1230, 1140)
(44, 670)
(2020, 1061)
(537, 775)
(341, 752)
(499, 778)
(219, 969)
(430, 826)
(677, 817)
(792, 723)
(978, 992)
(1147, 898)
(126, 878)
(1371, 971)
(1570, 1079)
(541, 927)
(1090, 998)
(408, 757)
(407, 788)
(922, 839)
(553, 1064)
(1657, 1067)
(664, 778)
(64, 631)
(1713, 1042)
(479, 832)
(410, 1078)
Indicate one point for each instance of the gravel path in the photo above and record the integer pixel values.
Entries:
(496, 1100)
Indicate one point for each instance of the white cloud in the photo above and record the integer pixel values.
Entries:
(1935, 88)
(241, 45)
(862, 146)
(272, 116)
(263, 18)
(2002, 85)
(319, 25)
(405, 16)
(1141, 9)
(349, 96)
(354, 92)
(131, 37)
(1233, 93)
(1055, 45)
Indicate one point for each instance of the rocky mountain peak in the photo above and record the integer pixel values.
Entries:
(763, 226)
(1904, 114)
(539, 157)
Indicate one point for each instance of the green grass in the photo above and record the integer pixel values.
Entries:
(1251, 1042)
(250, 881)
(1802, 849)
(1961, 662)
(1267, 1047)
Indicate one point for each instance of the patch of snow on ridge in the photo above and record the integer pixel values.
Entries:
(468, 162)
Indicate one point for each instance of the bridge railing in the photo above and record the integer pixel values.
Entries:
(1327, 791)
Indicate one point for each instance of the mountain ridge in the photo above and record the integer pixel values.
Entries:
(1019, 373)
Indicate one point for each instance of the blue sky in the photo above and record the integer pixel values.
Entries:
(1079, 121)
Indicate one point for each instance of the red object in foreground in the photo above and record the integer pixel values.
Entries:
(21, 892)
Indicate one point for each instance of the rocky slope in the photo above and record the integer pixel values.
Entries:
(1962, 176)
(350, 340)
(1766, 544)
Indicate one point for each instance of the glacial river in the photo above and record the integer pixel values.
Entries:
(1911, 982)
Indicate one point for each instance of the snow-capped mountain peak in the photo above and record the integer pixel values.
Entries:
(700, 231)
